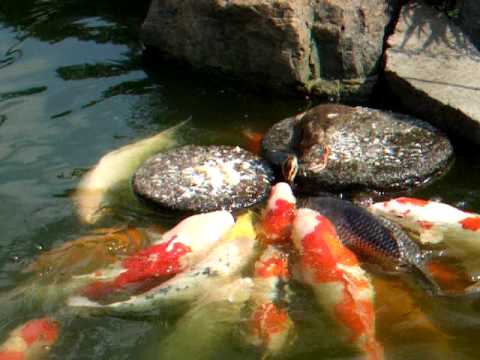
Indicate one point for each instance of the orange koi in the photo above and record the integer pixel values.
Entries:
(270, 324)
(30, 341)
(340, 285)
(401, 320)
(87, 253)
(253, 140)
(277, 218)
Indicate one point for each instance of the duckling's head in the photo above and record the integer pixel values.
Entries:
(290, 168)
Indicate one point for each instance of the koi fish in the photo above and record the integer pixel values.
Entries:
(225, 260)
(102, 186)
(431, 222)
(30, 341)
(278, 216)
(400, 315)
(88, 253)
(375, 239)
(205, 328)
(253, 140)
(175, 251)
(270, 324)
(340, 285)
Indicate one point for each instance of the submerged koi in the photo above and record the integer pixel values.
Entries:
(223, 261)
(87, 253)
(208, 324)
(30, 341)
(253, 140)
(433, 222)
(270, 324)
(100, 187)
(178, 249)
(340, 285)
(58, 273)
(278, 216)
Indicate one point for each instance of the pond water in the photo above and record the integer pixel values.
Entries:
(75, 83)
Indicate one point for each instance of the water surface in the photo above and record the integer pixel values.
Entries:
(75, 83)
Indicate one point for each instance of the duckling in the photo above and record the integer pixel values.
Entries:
(312, 151)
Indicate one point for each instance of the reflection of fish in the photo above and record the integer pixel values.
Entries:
(207, 326)
(111, 176)
(270, 324)
(177, 249)
(226, 259)
(277, 218)
(30, 341)
(436, 223)
(340, 285)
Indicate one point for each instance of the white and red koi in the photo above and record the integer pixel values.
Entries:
(340, 285)
(277, 218)
(57, 274)
(30, 341)
(432, 222)
(270, 324)
(227, 259)
(178, 249)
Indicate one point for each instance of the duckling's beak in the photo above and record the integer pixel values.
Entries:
(290, 168)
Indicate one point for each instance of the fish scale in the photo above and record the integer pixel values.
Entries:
(374, 239)
(364, 234)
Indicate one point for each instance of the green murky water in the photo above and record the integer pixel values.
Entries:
(75, 84)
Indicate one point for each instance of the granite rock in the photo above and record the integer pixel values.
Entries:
(330, 48)
(434, 71)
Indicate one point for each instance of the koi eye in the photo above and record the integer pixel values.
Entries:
(290, 168)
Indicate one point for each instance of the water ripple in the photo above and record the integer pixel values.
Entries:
(10, 56)
(15, 94)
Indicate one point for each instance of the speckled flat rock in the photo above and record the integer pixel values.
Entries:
(204, 178)
(367, 149)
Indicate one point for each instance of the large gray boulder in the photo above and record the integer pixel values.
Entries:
(434, 70)
(470, 20)
(325, 47)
